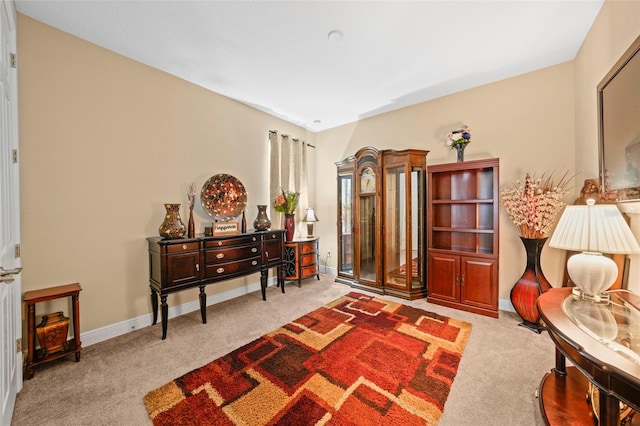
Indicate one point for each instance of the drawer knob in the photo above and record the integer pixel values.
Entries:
(220, 255)
(184, 247)
(254, 238)
(219, 243)
(220, 270)
(254, 263)
(253, 250)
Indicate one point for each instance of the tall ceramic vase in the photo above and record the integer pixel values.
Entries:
(172, 226)
(532, 284)
(289, 226)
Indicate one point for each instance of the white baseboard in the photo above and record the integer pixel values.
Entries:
(101, 334)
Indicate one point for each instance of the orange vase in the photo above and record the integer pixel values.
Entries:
(532, 284)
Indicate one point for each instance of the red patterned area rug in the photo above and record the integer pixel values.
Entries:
(359, 360)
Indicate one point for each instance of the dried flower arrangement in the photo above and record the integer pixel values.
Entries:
(533, 207)
(286, 202)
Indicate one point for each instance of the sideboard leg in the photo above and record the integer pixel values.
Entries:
(203, 305)
(281, 277)
(263, 283)
(154, 306)
(165, 315)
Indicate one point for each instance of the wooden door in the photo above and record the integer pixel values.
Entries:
(10, 285)
(477, 285)
(444, 277)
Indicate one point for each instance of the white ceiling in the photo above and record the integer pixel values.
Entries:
(277, 55)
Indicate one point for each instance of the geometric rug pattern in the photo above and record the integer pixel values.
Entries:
(360, 360)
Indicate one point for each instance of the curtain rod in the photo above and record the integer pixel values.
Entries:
(293, 139)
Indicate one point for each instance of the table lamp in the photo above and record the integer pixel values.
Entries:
(593, 229)
(310, 217)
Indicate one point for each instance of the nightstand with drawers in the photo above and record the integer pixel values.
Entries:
(301, 259)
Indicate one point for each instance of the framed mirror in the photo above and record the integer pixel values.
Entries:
(619, 128)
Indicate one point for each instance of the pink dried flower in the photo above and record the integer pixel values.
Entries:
(533, 207)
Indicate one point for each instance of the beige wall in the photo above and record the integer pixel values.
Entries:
(104, 142)
(616, 27)
(527, 122)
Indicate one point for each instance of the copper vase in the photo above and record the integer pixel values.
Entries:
(172, 227)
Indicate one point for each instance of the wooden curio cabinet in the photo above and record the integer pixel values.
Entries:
(359, 220)
(381, 205)
(463, 203)
(404, 203)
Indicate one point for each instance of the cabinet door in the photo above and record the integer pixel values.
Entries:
(478, 282)
(345, 222)
(444, 276)
(182, 268)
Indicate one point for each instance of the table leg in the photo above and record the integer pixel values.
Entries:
(154, 305)
(203, 305)
(76, 324)
(609, 409)
(165, 314)
(561, 364)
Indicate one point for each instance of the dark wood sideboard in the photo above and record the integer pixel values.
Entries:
(180, 264)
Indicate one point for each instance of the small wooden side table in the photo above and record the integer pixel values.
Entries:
(72, 346)
(301, 259)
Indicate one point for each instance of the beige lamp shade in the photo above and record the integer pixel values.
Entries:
(593, 230)
(310, 217)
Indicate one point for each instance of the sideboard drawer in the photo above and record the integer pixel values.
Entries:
(223, 270)
(235, 241)
(177, 248)
(229, 254)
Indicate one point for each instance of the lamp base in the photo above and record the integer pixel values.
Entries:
(603, 298)
(592, 274)
(309, 230)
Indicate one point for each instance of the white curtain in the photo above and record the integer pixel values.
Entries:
(288, 172)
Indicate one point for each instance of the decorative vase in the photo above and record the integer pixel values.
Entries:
(532, 284)
(289, 226)
(192, 228)
(172, 227)
(262, 222)
(52, 333)
(460, 148)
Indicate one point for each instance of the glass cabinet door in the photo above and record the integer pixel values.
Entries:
(404, 216)
(345, 224)
(367, 238)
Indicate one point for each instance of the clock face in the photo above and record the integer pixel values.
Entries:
(368, 181)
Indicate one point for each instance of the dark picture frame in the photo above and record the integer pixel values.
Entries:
(619, 128)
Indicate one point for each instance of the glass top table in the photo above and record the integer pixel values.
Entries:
(614, 323)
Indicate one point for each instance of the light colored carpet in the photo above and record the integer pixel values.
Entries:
(496, 382)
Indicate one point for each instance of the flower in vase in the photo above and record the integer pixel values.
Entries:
(462, 136)
(286, 202)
